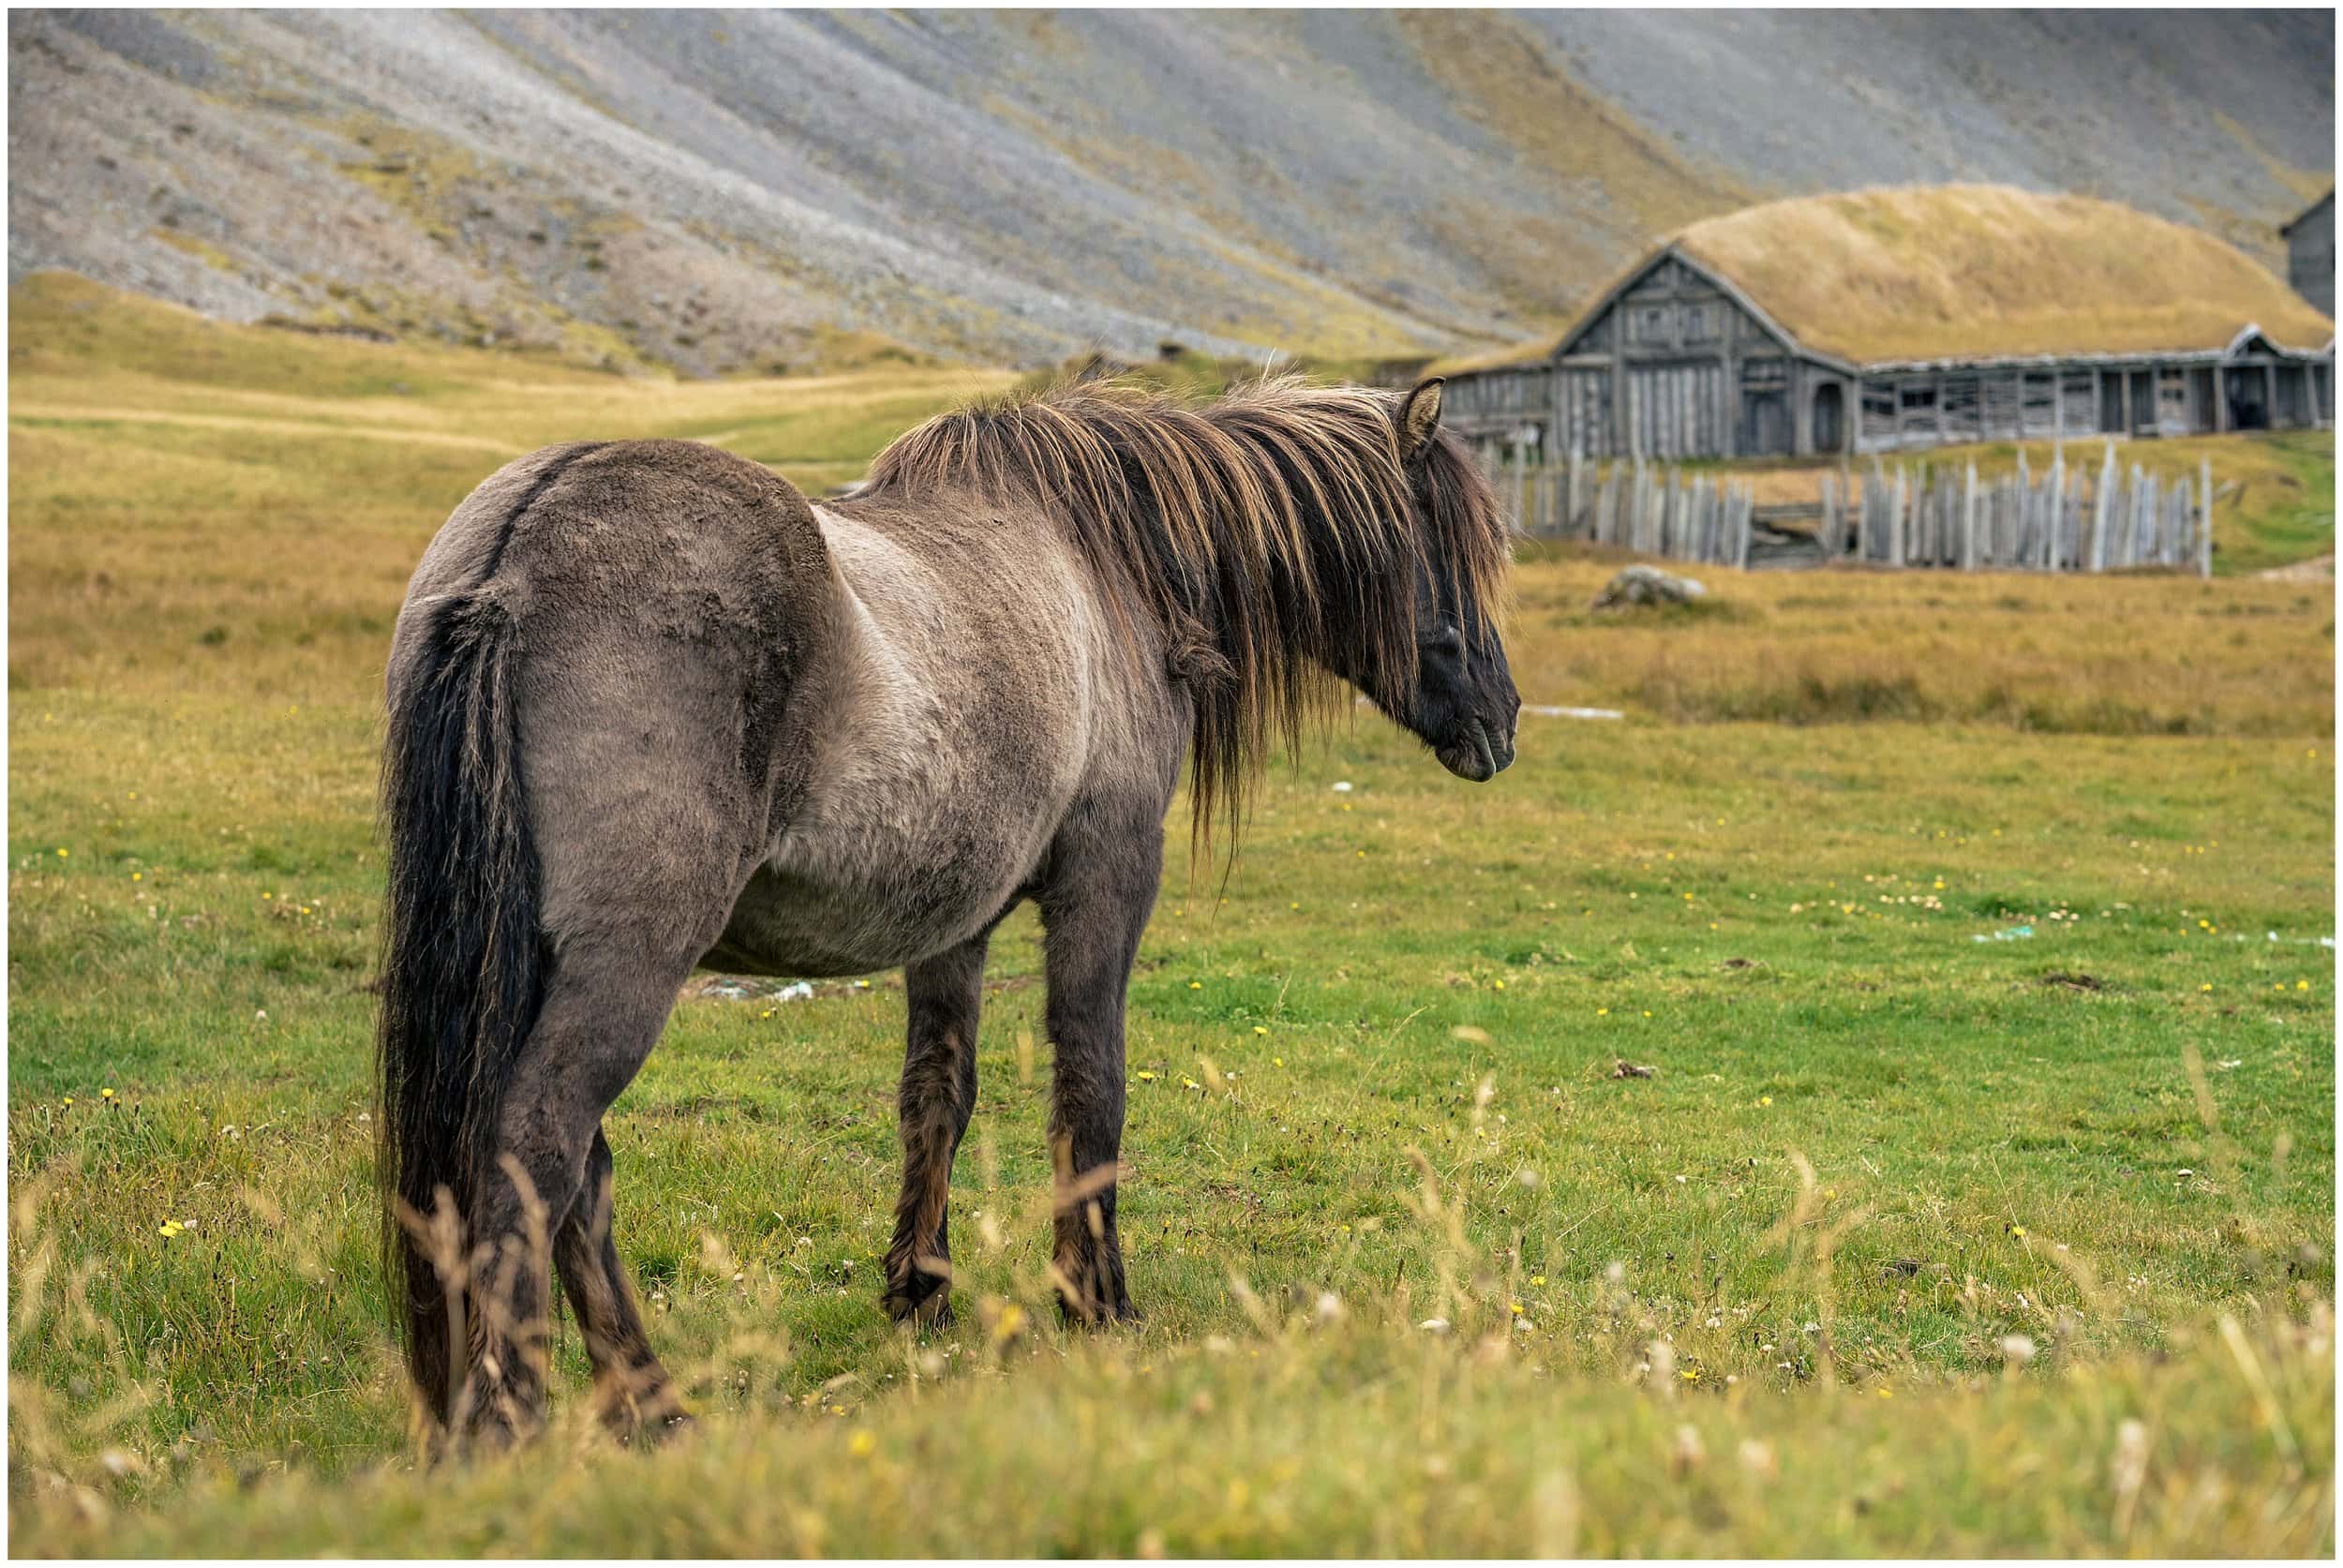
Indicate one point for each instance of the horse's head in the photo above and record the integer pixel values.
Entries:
(1462, 704)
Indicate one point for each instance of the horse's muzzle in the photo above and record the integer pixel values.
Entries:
(1476, 751)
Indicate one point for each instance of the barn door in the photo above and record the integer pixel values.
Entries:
(2249, 401)
(1764, 422)
(1764, 425)
(1830, 414)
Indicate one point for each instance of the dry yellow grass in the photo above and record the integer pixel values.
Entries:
(1933, 271)
(1970, 271)
(2060, 654)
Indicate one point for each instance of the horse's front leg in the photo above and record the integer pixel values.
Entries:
(939, 1090)
(1100, 887)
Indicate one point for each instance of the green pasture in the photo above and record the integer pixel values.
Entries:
(1876, 1095)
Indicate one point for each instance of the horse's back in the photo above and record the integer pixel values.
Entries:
(638, 518)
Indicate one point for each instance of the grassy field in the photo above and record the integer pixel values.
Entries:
(1980, 1197)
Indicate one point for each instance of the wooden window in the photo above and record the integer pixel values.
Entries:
(2041, 403)
(1915, 410)
(2079, 402)
(1960, 409)
(1879, 413)
(2171, 402)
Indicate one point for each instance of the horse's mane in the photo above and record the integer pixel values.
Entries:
(1260, 533)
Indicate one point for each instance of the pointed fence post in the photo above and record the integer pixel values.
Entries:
(2204, 509)
(1968, 520)
(1896, 520)
(2019, 536)
(2055, 513)
(1521, 483)
(2098, 510)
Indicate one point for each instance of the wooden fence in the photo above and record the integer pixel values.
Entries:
(1638, 505)
(2061, 520)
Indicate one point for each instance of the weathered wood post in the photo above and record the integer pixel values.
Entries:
(1639, 510)
(2132, 523)
(1968, 520)
(1745, 509)
(1571, 509)
(2098, 510)
(2055, 513)
(1671, 518)
(2204, 508)
(1896, 520)
(1863, 504)
(1521, 482)
(2022, 538)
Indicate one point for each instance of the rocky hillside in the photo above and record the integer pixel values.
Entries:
(734, 190)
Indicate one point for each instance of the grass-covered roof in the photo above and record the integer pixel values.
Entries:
(1982, 272)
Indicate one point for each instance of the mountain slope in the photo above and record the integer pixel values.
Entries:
(737, 190)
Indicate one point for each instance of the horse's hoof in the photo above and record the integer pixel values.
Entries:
(1090, 1315)
(931, 1311)
(647, 1430)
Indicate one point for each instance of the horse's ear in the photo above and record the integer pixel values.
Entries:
(1419, 420)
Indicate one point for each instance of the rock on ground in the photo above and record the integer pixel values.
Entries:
(1648, 585)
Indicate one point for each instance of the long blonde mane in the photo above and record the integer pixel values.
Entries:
(1267, 533)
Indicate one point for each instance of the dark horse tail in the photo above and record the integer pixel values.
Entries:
(463, 964)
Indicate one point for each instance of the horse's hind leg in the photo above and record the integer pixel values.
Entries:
(631, 1386)
(604, 1007)
(939, 1090)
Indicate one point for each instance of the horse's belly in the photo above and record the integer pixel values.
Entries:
(797, 918)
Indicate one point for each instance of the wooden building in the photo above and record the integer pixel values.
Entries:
(1889, 319)
(2310, 252)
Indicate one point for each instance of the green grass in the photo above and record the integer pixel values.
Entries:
(1873, 1149)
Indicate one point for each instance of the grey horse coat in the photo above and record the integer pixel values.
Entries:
(649, 710)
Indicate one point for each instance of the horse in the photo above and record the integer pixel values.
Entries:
(649, 709)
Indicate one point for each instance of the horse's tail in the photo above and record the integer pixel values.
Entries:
(463, 964)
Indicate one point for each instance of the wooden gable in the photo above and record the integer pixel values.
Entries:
(1672, 306)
